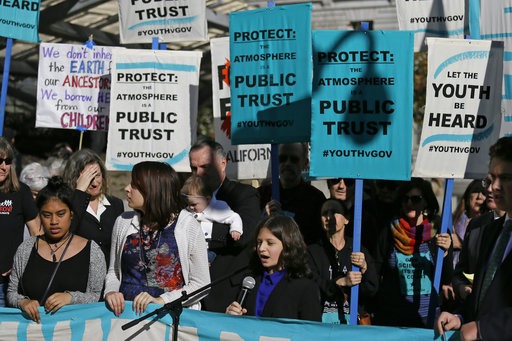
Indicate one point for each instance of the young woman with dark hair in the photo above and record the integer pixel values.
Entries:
(57, 268)
(283, 288)
(158, 250)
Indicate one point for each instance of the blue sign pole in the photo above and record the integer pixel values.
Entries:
(445, 223)
(274, 153)
(5, 81)
(356, 247)
(356, 242)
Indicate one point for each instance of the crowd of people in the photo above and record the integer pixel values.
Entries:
(70, 242)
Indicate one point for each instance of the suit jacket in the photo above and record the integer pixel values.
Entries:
(494, 313)
(469, 252)
(87, 226)
(231, 255)
(297, 298)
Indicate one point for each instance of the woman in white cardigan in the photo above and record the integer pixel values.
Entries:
(158, 250)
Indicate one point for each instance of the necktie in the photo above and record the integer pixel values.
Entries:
(496, 257)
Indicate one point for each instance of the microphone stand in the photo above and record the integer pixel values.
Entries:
(173, 308)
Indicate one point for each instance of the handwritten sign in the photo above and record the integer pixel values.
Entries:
(73, 86)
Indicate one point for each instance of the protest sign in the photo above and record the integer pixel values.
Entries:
(19, 19)
(431, 18)
(177, 20)
(73, 86)
(271, 74)
(493, 21)
(94, 321)
(361, 123)
(462, 113)
(244, 161)
(153, 107)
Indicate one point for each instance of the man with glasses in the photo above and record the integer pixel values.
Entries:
(298, 199)
(487, 311)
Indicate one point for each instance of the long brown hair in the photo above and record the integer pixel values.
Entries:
(11, 183)
(160, 187)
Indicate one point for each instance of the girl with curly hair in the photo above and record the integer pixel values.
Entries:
(283, 286)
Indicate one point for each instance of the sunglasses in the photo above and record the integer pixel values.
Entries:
(293, 158)
(7, 161)
(348, 182)
(414, 199)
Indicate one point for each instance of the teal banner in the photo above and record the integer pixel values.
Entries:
(362, 104)
(270, 74)
(96, 322)
(19, 19)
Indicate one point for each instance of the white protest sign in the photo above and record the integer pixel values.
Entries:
(153, 107)
(249, 161)
(431, 18)
(176, 20)
(73, 86)
(462, 113)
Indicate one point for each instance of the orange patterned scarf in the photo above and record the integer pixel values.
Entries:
(408, 238)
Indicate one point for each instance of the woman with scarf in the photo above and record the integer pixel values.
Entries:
(406, 256)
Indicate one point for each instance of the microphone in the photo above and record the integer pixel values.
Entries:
(247, 285)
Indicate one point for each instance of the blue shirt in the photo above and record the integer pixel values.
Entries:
(268, 283)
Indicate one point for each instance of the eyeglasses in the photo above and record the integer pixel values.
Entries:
(348, 182)
(414, 199)
(7, 160)
(292, 158)
(490, 179)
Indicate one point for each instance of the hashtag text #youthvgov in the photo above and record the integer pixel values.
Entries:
(357, 153)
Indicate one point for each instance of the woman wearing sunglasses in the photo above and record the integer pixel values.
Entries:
(406, 257)
(17, 208)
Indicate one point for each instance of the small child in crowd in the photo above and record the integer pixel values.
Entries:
(208, 210)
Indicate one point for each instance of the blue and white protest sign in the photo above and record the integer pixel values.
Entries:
(462, 112)
(95, 322)
(73, 86)
(271, 72)
(492, 20)
(178, 20)
(432, 18)
(19, 19)
(361, 123)
(153, 107)
(248, 161)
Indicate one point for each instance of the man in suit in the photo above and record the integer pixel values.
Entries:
(470, 250)
(487, 312)
(208, 160)
(298, 199)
